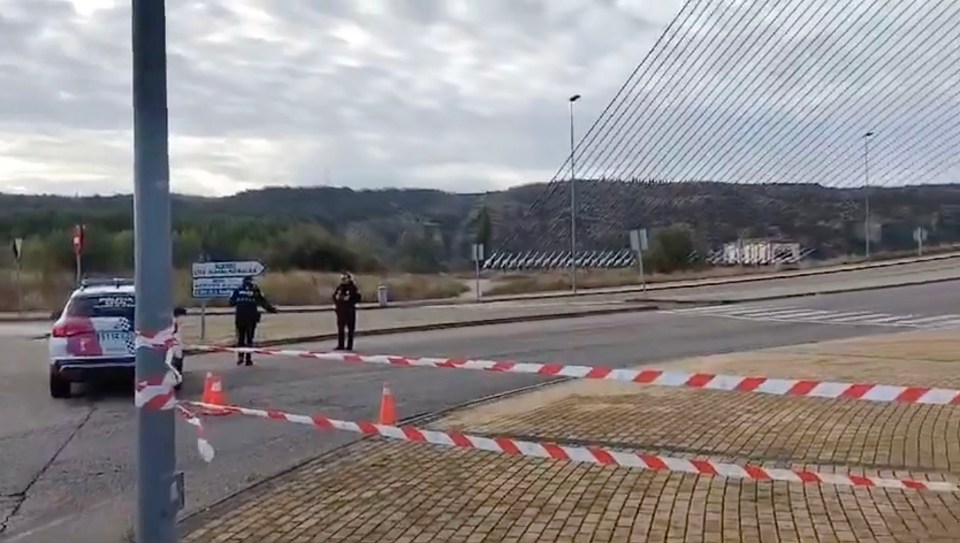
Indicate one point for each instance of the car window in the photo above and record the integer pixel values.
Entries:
(102, 305)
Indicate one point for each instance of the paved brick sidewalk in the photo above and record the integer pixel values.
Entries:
(402, 492)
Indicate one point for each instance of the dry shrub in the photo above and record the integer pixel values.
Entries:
(46, 292)
(41, 291)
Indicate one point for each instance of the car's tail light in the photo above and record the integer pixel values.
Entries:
(70, 328)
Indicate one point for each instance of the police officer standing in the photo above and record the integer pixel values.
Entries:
(345, 299)
(247, 299)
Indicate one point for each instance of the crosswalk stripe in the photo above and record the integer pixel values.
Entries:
(774, 313)
(765, 312)
(861, 317)
(800, 314)
(844, 314)
(945, 324)
(933, 319)
(724, 309)
(892, 318)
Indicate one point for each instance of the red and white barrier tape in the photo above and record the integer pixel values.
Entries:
(700, 381)
(159, 392)
(203, 446)
(588, 455)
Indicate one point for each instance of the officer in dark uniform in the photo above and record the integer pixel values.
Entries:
(345, 300)
(247, 299)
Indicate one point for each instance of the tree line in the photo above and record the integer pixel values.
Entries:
(109, 246)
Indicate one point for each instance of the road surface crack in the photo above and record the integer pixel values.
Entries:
(20, 498)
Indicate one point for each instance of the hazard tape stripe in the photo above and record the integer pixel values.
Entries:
(702, 381)
(586, 455)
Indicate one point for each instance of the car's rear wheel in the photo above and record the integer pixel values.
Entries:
(59, 387)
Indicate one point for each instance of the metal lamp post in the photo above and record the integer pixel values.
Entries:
(573, 202)
(158, 487)
(866, 192)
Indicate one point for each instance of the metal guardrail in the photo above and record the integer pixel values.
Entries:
(546, 260)
(555, 260)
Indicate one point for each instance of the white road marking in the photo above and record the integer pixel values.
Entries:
(769, 313)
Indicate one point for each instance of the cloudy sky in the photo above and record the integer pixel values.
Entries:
(470, 95)
(461, 95)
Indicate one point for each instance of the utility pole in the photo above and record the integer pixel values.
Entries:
(866, 193)
(156, 456)
(573, 203)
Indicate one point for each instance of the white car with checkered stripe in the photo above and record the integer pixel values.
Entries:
(93, 336)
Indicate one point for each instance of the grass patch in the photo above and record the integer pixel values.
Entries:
(47, 292)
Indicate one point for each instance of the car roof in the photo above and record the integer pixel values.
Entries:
(98, 290)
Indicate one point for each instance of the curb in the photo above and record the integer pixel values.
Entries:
(666, 285)
(450, 325)
(729, 301)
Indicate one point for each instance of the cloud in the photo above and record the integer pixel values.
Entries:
(471, 95)
(453, 94)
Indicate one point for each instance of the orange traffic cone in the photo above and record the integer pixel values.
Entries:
(213, 393)
(388, 409)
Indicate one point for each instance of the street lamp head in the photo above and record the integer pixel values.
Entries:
(575, 97)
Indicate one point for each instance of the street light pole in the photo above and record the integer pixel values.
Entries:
(573, 202)
(157, 484)
(866, 193)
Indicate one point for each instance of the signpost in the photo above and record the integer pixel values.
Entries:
(920, 235)
(78, 242)
(640, 243)
(217, 280)
(17, 247)
(477, 259)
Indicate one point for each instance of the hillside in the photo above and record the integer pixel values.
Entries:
(425, 230)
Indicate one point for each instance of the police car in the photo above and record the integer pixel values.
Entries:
(93, 336)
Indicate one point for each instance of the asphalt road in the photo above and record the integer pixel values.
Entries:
(68, 471)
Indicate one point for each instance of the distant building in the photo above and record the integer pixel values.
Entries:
(759, 252)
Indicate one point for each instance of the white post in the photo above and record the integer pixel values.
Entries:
(203, 318)
(477, 277)
(643, 280)
(478, 250)
(19, 287)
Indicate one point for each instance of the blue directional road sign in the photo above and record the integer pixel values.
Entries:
(227, 269)
(218, 279)
(208, 288)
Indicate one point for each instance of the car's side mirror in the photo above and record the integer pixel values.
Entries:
(179, 311)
